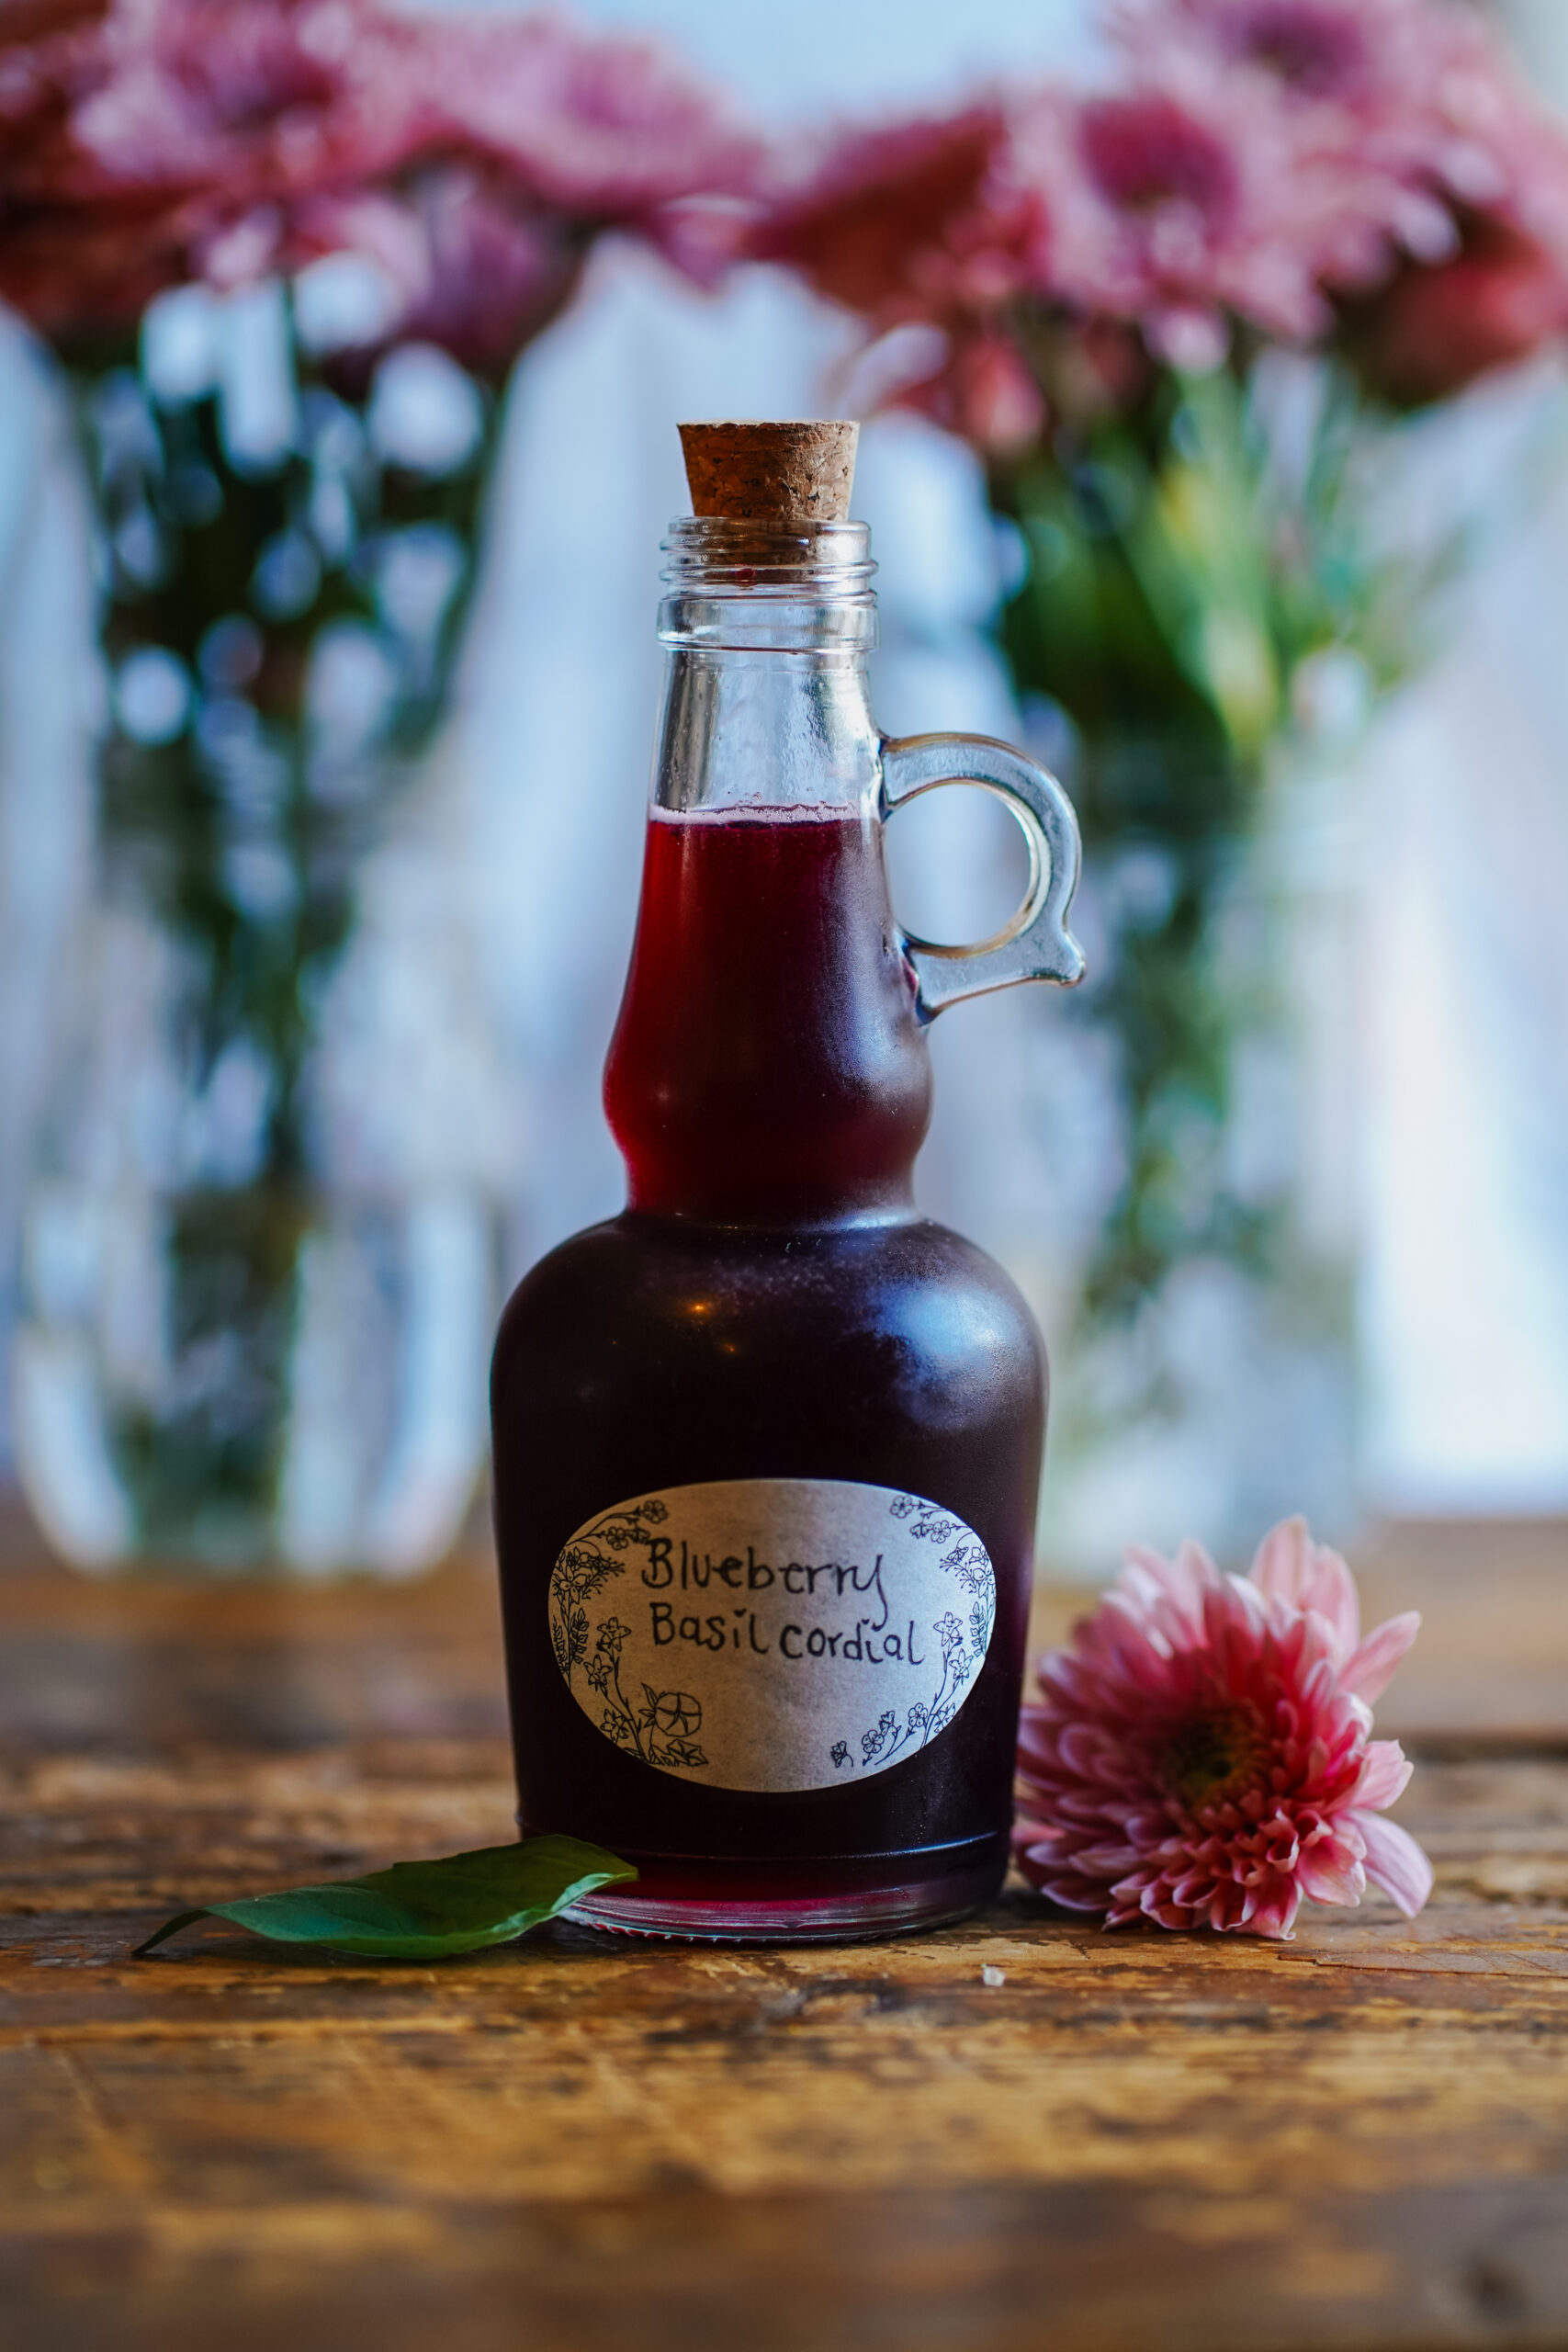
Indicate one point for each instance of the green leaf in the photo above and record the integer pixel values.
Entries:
(423, 1910)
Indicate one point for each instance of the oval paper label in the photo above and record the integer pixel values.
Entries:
(773, 1632)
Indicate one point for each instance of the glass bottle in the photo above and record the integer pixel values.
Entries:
(767, 1445)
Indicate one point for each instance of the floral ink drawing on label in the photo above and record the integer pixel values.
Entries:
(773, 1633)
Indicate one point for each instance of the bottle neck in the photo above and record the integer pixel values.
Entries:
(766, 704)
(768, 1065)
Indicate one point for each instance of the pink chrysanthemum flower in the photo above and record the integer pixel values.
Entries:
(909, 224)
(1167, 207)
(1201, 1755)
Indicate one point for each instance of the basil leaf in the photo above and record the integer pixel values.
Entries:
(423, 1910)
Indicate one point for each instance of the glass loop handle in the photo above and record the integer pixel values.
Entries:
(1036, 944)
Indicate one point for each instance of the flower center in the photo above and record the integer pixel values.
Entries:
(1145, 152)
(1310, 48)
(1207, 1754)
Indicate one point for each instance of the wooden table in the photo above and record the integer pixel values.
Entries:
(1138, 2141)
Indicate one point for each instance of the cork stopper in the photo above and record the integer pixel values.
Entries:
(751, 472)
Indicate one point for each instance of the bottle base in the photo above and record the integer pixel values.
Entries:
(689, 1909)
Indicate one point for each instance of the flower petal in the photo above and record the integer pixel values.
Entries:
(1281, 1562)
(1288, 1567)
(1273, 1913)
(1072, 1894)
(1394, 1861)
(1331, 1873)
(1368, 1671)
(1385, 1774)
(1107, 1861)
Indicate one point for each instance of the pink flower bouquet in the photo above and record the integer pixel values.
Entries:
(472, 157)
(1180, 315)
(288, 250)
(1260, 170)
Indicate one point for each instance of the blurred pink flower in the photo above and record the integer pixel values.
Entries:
(273, 96)
(911, 224)
(1430, 331)
(1411, 105)
(231, 99)
(1426, 189)
(601, 126)
(234, 137)
(64, 261)
(1263, 169)
(474, 269)
(1352, 52)
(919, 226)
(1201, 1755)
(1167, 205)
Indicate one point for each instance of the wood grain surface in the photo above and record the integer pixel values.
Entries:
(1358, 2140)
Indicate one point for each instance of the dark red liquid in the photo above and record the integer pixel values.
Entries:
(770, 1306)
(768, 1058)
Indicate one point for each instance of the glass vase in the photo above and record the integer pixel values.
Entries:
(1205, 1208)
(261, 1254)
